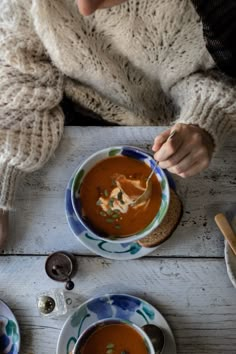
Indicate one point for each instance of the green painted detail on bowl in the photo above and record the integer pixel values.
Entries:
(11, 330)
(149, 312)
(160, 215)
(78, 180)
(133, 249)
(72, 341)
(148, 227)
(76, 318)
(143, 315)
(163, 210)
(163, 184)
(81, 323)
(114, 152)
(164, 197)
(100, 245)
(90, 237)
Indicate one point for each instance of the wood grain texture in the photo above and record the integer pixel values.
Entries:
(195, 297)
(38, 226)
(185, 278)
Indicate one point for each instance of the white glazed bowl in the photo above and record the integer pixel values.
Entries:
(132, 152)
(106, 322)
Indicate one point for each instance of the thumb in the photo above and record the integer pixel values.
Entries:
(160, 140)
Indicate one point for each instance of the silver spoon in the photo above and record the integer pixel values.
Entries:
(147, 192)
(156, 336)
(145, 195)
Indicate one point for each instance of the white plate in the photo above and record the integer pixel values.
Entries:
(230, 258)
(9, 331)
(106, 249)
(121, 306)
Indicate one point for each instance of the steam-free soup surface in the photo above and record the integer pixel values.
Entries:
(98, 187)
(118, 338)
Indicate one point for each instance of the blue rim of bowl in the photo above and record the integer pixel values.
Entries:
(16, 324)
(139, 154)
(143, 308)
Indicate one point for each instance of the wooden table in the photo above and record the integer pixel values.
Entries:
(185, 278)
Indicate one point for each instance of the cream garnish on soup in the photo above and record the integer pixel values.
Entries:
(107, 193)
(114, 339)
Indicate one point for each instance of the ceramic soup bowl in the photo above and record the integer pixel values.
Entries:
(134, 153)
(109, 334)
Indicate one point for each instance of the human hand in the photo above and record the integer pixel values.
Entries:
(187, 153)
(3, 227)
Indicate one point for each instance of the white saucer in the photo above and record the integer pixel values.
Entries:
(9, 331)
(122, 306)
(106, 249)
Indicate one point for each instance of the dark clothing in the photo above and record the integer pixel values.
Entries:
(219, 30)
(78, 116)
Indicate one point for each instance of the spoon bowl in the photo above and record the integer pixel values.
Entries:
(148, 189)
(156, 336)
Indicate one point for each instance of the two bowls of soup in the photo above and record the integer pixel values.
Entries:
(105, 186)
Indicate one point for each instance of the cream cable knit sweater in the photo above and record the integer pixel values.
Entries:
(141, 63)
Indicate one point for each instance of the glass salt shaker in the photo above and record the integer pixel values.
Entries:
(57, 302)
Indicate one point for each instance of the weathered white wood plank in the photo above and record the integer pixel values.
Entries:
(38, 226)
(195, 296)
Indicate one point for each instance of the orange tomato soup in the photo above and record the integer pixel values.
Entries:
(114, 339)
(100, 181)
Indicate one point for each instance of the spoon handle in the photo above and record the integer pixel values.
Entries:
(169, 137)
(226, 230)
(171, 134)
(157, 162)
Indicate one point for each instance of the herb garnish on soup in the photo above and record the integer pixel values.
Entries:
(108, 190)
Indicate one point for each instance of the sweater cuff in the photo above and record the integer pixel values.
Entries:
(9, 176)
(213, 121)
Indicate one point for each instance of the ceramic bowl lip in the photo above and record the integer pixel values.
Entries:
(108, 321)
(230, 259)
(148, 229)
(15, 321)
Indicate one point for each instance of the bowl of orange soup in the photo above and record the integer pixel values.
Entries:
(105, 209)
(113, 336)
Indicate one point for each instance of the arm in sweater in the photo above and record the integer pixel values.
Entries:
(206, 107)
(207, 99)
(31, 88)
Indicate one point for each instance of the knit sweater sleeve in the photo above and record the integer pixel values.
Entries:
(207, 99)
(31, 88)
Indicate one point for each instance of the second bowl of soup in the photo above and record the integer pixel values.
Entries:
(105, 187)
(113, 336)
